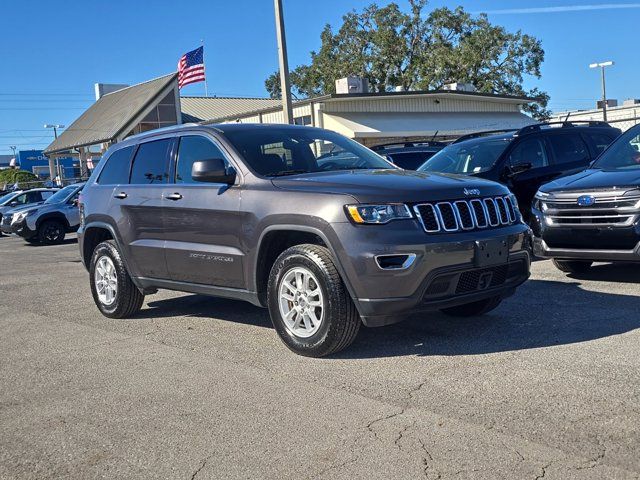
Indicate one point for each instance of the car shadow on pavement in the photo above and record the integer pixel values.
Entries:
(611, 272)
(203, 306)
(542, 313)
(66, 241)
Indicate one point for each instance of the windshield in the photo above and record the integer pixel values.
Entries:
(6, 198)
(273, 152)
(471, 156)
(61, 195)
(623, 154)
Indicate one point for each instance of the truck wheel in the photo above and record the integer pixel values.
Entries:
(572, 266)
(113, 291)
(51, 232)
(472, 309)
(309, 305)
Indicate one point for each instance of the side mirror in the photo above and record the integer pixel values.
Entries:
(518, 168)
(213, 170)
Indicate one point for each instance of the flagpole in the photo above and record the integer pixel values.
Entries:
(206, 89)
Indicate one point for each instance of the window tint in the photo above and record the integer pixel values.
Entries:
(193, 149)
(529, 151)
(410, 160)
(568, 147)
(116, 170)
(624, 154)
(33, 197)
(150, 163)
(46, 194)
(20, 199)
(470, 156)
(600, 141)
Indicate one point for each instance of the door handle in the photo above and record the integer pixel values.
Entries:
(173, 196)
(120, 195)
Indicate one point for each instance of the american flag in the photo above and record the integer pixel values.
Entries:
(191, 67)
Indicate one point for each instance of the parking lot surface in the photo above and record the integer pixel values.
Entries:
(547, 385)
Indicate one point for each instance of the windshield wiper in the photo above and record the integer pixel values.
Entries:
(284, 173)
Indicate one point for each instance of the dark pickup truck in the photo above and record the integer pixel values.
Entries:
(321, 230)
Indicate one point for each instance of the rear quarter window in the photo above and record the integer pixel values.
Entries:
(116, 168)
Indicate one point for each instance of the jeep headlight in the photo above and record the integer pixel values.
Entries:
(378, 214)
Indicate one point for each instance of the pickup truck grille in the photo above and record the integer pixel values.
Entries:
(606, 209)
(466, 215)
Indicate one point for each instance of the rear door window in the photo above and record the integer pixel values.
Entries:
(116, 170)
(529, 151)
(33, 197)
(568, 148)
(150, 165)
(599, 141)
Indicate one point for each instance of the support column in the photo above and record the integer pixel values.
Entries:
(52, 167)
(82, 157)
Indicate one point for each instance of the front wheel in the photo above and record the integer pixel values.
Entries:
(51, 232)
(113, 291)
(309, 305)
(472, 309)
(572, 266)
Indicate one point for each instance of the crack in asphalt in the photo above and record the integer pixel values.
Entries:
(544, 471)
(202, 465)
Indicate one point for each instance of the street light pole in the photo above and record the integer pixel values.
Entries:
(602, 66)
(285, 85)
(53, 168)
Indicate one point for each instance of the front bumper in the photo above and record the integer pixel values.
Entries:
(21, 228)
(541, 249)
(433, 280)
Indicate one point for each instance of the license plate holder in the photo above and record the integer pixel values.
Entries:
(491, 252)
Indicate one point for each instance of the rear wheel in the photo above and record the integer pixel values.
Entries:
(309, 305)
(476, 308)
(51, 232)
(572, 266)
(113, 290)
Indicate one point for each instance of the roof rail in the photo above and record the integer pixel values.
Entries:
(566, 124)
(469, 136)
(425, 143)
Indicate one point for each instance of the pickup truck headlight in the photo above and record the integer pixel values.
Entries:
(537, 200)
(378, 214)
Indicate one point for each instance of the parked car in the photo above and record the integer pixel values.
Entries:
(527, 158)
(593, 215)
(248, 212)
(49, 222)
(21, 198)
(409, 155)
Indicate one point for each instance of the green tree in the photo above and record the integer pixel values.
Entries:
(392, 48)
(10, 176)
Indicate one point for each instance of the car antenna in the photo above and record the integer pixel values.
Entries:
(434, 136)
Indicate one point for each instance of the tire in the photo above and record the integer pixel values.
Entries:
(51, 232)
(572, 266)
(335, 321)
(127, 299)
(472, 309)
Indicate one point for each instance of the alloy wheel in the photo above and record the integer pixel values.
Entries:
(301, 302)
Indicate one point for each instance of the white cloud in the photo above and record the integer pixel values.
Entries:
(566, 8)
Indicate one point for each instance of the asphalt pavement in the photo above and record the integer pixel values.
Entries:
(547, 385)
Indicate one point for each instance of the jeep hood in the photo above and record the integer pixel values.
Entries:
(368, 186)
(589, 180)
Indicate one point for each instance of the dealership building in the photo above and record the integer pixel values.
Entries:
(370, 118)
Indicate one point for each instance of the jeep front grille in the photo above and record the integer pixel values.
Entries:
(609, 209)
(464, 215)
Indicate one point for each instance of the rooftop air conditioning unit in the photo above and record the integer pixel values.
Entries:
(459, 87)
(629, 102)
(610, 103)
(352, 85)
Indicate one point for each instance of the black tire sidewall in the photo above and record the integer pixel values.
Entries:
(42, 229)
(116, 309)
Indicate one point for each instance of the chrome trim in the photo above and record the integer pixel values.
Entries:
(455, 218)
(491, 201)
(457, 212)
(411, 257)
(484, 210)
(416, 209)
(507, 220)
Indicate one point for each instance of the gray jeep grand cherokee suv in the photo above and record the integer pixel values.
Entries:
(312, 225)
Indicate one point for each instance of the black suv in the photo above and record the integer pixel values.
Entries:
(593, 215)
(409, 155)
(527, 158)
(321, 230)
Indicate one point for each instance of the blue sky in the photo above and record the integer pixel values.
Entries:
(53, 52)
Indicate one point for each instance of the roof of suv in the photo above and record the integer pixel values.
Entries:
(534, 128)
